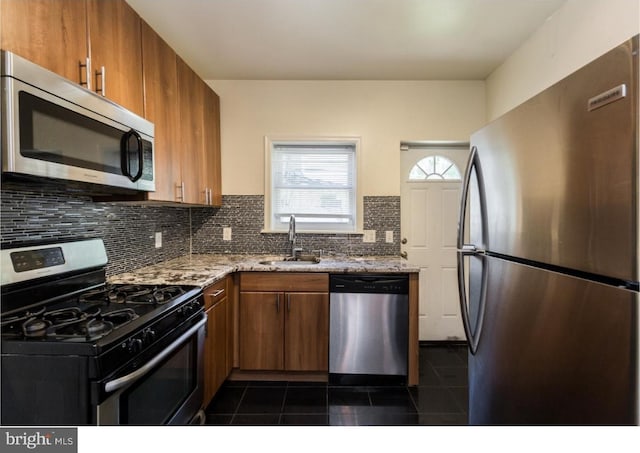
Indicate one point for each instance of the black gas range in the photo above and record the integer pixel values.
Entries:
(77, 350)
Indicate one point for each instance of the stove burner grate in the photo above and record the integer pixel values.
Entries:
(35, 327)
(132, 294)
(70, 323)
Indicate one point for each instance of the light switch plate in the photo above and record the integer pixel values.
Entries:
(158, 239)
(226, 234)
(369, 236)
(389, 236)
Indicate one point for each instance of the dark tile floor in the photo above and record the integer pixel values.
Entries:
(439, 399)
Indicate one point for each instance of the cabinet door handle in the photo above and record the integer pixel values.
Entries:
(277, 303)
(181, 187)
(217, 293)
(87, 73)
(103, 77)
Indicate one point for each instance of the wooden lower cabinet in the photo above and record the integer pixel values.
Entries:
(261, 330)
(306, 332)
(217, 348)
(283, 330)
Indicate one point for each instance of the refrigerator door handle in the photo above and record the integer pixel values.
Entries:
(471, 250)
(472, 163)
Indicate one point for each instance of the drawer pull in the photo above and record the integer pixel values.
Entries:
(217, 293)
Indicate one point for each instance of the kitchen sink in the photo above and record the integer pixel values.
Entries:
(290, 261)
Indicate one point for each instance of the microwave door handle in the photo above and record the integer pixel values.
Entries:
(140, 157)
(137, 374)
(126, 166)
(124, 154)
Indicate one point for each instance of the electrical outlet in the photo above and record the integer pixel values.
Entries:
(226, 234)
(389, 236)
(369, 236)
(159, 239)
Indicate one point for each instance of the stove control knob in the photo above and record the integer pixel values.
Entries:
(135, 345)
(148, 336)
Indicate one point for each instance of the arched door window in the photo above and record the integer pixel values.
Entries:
(435, 168)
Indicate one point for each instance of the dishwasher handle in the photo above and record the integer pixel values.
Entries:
(368, 283)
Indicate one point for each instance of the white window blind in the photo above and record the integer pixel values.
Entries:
(316, 183)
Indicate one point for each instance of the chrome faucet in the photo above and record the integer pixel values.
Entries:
(292, 237)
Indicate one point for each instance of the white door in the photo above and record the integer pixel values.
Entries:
(430, 200)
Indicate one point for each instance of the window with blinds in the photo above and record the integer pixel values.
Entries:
(316, 182)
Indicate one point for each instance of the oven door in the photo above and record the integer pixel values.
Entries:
(167, 389)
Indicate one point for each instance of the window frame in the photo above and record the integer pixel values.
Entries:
(440, 177)
(271, 141)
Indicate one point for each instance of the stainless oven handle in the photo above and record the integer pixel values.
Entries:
(124, 380)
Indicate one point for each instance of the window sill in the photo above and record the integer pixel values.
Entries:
(298, 233)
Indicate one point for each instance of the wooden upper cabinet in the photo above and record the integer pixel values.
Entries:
(116, 48)
(52, 34)
(61, 34)
(141, 72)
(211, 131)
(161, 108)
(191, 109)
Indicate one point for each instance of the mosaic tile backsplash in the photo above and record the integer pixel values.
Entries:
(244, 214)
(52, 211)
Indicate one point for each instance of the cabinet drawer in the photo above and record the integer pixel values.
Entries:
(215, 293)
(284, 281)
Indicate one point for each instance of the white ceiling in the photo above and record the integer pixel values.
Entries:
(345, 39)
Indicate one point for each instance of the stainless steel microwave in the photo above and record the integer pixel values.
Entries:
(54, 128)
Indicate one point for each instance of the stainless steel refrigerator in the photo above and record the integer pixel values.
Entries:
(548, 269)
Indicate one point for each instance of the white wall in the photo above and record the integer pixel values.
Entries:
(382, 113)
(577, 33)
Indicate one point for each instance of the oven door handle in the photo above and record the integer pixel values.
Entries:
(124, 380)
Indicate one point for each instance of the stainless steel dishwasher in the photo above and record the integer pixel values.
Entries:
(368, 329)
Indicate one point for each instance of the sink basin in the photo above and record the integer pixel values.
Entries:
(301, 261)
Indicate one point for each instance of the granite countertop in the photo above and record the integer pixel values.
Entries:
(204, 270)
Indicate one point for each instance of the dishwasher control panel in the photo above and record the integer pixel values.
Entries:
(369, 283)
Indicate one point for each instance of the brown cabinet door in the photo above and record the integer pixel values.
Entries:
(306, 340)
(190, 106)
(208, 360)
(221, 334)
(211, 132)
(261, 331)
(218, 351)
(50, 34)
(115, 44)
(161, 108)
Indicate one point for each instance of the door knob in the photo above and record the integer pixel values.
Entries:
(404, 240)
(404, 255)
